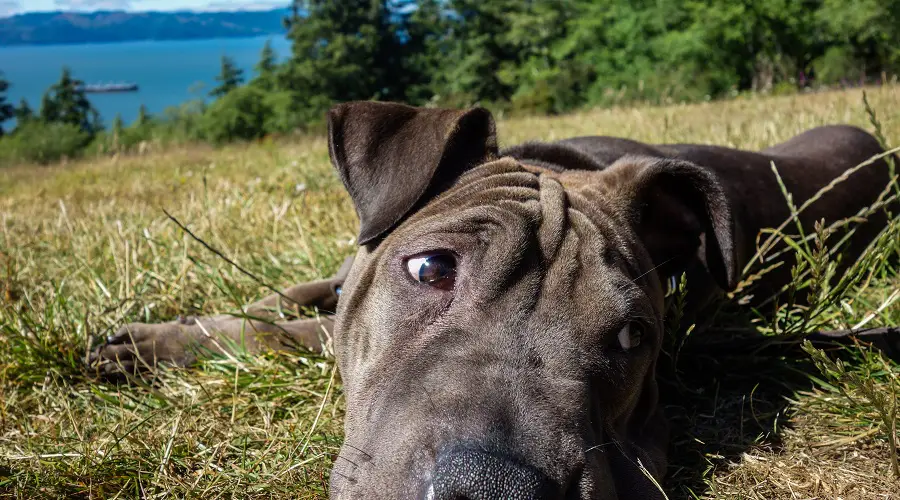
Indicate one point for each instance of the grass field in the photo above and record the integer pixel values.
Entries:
(85, 247)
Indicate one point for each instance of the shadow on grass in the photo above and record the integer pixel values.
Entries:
(729, 394)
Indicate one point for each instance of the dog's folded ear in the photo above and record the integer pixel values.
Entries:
(680, 211)
(391, 156)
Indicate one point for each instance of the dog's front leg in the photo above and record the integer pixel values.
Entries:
(322, 295)
(137, 346)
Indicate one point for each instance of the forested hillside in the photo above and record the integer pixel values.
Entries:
(40, 28)
(534, 57)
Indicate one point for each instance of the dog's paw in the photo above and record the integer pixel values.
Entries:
(141, 346)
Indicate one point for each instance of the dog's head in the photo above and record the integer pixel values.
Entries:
(497, 336)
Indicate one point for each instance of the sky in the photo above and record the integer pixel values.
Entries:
(11, 7)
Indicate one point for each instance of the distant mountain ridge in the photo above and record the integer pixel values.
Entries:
(42, 28)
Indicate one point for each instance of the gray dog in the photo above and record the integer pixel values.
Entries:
(499, 328)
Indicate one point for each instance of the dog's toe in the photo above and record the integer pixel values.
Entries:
(122, 351)
(115, 358)
(132, 332)
(117, 368)
(136, 347)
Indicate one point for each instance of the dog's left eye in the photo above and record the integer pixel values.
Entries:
(630, 336)
(437, 269)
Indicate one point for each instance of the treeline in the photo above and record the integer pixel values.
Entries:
(531, 56)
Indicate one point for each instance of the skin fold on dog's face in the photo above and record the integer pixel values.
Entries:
(498, 338)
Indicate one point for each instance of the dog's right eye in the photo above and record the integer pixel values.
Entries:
(629, 337)
(437, 269)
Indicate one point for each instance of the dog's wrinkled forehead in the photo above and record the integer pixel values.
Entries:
(520, 242)
(546, 201)
(505, 219)
(502, 183)
(506, 196)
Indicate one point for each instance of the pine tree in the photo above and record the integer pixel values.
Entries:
(95, 123)
(143, 117)
(6, 110)
(428, 39)
(345, 50)
(267, 61)
(266, 68)
(47, 110)
(118, 128)
(230, 77)
(65, 102)
(482, 48)
(23, 113)
(294, 18)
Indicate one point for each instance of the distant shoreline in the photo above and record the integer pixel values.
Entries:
(168, 72)
(37, 29)
(140, 40)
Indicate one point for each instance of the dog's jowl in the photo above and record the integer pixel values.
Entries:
(498, 331)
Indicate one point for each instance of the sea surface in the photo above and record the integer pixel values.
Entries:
(167, 72)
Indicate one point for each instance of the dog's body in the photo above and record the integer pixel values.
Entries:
(498, 330)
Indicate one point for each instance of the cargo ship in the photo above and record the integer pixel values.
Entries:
(102, 88)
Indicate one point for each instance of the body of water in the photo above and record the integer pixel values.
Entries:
(167, 72)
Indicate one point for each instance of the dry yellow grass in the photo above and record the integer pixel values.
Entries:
(85, 246)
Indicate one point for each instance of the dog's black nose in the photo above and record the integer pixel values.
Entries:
(474, 475)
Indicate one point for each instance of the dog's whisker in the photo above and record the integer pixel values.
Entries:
(598, 446)
(342, 457)
(654, 268)
(360, 450)
(350, 479)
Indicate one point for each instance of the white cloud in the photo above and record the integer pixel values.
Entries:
(92, 5)
(235, 5)
(12, 7)
(9, 7)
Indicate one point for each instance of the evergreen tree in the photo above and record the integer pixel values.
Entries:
(427, 37)
(480, 49)
(347, 50)
(266, 68)
(143, 117)
(47, 111)
(267, 61)
(230, 77)
(94, 121)
(498, 48)
(23, 112)
(6, 110)
(117, 129)
(66, 102)
(294, 18)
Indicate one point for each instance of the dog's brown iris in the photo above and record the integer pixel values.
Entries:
(436, 269)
